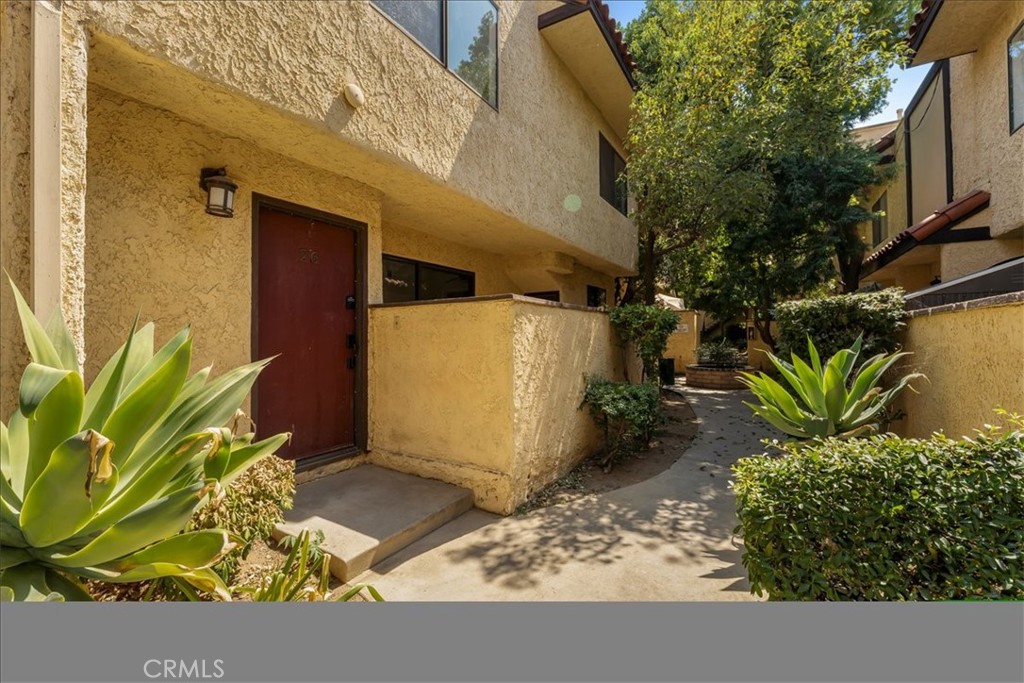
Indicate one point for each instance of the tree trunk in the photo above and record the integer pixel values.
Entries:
(648, 269)
(763, 324)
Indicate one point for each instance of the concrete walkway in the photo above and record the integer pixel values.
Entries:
(667, 538)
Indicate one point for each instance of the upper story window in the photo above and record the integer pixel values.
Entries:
(613, 176)
(1015, 63)
(462, 34)
(880, 223)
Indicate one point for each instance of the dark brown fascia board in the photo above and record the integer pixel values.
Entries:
(570, 10)
(947, 236)
(918, 37)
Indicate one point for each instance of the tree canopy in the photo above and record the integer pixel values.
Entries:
(741, 159)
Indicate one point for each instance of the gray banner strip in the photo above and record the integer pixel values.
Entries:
(513, 642)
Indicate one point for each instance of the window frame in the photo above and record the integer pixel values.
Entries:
(880, 224)
(1009, 80)
(443, 59)
(602, 143)
(594, 289)
(416, 284)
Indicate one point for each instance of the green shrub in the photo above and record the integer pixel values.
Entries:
(626, 412)
(825, 401)
(886, 518)
(835, 322)
(254, 503)
(720, 354)
(648, 327)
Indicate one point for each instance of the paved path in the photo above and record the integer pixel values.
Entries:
(667, 538)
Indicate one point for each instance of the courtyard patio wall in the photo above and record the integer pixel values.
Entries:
(485, 392)
(972, 354)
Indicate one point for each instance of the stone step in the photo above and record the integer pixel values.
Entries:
(368, 513)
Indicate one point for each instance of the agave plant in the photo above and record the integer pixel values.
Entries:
(825, 400)
(98, 484)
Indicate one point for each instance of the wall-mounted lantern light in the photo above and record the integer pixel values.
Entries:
(220, 192)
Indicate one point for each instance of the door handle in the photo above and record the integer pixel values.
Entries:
(352, 342)
(350, 302)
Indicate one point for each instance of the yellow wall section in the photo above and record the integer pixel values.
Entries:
(485, 393)
(974, 362)
(153, 250)
(682, 344)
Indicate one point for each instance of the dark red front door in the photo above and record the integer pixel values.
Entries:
(306, 313)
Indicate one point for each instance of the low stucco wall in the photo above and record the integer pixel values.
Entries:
(484, 393)
(973, 357)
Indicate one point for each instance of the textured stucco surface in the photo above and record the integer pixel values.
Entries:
(423, 137)
(985, 155)
(489, 400)
(153, 250)
(974, 362)
(15, 191)
(442, 400)
(554, 349)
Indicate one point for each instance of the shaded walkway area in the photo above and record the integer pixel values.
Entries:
(667, 538)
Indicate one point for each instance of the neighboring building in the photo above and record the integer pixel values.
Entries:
(955, 206)
(386, 155)
(683, 342)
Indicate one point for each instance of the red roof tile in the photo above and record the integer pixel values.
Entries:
(620, 43)
(922, 20)
(946, 217)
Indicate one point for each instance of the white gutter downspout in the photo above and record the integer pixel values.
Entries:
(46, 158)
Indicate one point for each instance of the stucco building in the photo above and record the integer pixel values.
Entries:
(955, 205)
(402, 174)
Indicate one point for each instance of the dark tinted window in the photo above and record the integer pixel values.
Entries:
(880, 223)
(547, 296)
(596, 296)
(613, 176)
(408, 280)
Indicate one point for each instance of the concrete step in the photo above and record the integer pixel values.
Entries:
(368, 513)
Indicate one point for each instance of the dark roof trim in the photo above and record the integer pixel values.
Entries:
(921, 232)
(922, 22)
(599, 11)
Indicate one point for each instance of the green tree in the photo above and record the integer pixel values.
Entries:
(736, 98)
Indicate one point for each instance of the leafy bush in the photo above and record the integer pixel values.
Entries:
(826, 402)
(834, 322)
(886, 518)
(648, 327)
(98, 484)
(253, 504)
(626, 412)
(720, 354)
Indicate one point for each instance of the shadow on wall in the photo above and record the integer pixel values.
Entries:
(554, 351)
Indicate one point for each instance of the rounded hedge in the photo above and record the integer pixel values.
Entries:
(886, 518)
(835, 322)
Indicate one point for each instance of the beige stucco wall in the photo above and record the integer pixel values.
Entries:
(15, 191)
(153, 250)
(974, 362)
(423, 137)
(682, 344)
(490, 399)
(985, 155)
(554, 349)
(970, 257)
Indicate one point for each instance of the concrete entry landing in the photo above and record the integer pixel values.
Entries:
(368, 513)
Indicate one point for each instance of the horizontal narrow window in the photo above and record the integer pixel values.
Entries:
(553, 295)
(408, 280)
(462, 34)
(613, 176)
